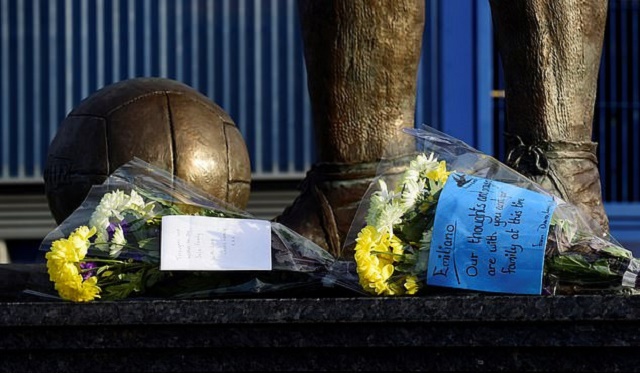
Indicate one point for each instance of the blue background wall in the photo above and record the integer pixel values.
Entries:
(246, 56)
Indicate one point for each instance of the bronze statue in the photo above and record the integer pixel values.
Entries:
(362, 61)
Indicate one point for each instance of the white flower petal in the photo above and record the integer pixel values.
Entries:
(117, 242)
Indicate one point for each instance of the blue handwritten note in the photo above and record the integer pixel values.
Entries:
(489, 236)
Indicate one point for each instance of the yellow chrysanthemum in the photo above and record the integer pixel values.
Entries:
(78, 290)
(439, 174)
(380, 288)
(63, 250)
(374, 255)
(80, 240)
(65, 273)
(396, 246)
(63, 266)
(411, 285)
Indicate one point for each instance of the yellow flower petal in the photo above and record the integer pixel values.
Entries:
(387, 271)
(411, 284)
(63, 266)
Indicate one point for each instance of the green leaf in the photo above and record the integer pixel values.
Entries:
(577, 268)
(153, 276)
(147, 243)
(415, 225)
(117, 291)
(618, 252)
(102, 269)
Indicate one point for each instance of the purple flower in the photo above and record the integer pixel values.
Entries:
(88, 265)
(113, 226)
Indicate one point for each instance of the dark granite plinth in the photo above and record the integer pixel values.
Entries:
(443, 333)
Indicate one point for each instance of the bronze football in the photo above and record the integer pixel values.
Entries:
(162, 121)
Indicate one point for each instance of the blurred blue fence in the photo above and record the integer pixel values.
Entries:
(617, 111)
(246, 55)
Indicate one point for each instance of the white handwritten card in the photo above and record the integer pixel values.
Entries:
(203, 243)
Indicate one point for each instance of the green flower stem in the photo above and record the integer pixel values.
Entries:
(127, 246)
(385, 253)
(98, 260)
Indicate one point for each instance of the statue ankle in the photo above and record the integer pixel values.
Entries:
(568, 169)
(330, 196)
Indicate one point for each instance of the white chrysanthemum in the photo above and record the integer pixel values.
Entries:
(135, 200)
(117, 242)
(379, 200)
(387, 207)
(112, 207)
(411, 191)
(414, 180)
(385, 195)
(114, 203)
(411, 175)
(421, 165)
(389, 216)
(137, 204)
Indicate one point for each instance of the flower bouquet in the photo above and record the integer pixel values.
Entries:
(143, 231)
(457, 218)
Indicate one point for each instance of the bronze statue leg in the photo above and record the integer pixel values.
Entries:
(362, 62)
(551, 55)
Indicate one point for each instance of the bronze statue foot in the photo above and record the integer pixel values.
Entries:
(329, 199)
(568, 169)
(330, 195)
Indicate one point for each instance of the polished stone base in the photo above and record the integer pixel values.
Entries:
(439, 332)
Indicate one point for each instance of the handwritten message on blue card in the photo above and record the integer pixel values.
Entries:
(489, 236)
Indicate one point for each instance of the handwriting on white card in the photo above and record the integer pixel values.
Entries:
(201, 243)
